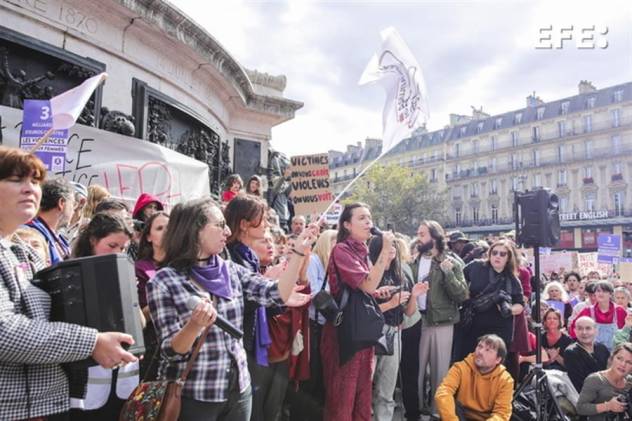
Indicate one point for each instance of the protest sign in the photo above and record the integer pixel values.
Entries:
(124, 165)
(309, 176)
(587, 262)
(609, 248)
(37, 119)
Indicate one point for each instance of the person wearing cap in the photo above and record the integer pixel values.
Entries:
(77, 220)
(145, 207)
(456, 241)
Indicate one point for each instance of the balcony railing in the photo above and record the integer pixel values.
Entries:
(600, 153)
(597, 128)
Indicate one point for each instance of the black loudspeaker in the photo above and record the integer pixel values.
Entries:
(538, 218)
(96, 291)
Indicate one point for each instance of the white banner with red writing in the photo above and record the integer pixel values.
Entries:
(124, 165)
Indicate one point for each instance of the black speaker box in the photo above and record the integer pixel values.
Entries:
(96, 291)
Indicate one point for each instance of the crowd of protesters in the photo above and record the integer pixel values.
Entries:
(457, 332)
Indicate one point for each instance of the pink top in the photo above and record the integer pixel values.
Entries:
(351, 259)
(601, 317)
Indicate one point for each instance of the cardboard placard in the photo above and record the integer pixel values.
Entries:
(309, 174)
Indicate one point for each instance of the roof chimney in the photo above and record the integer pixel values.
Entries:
(456, 119)
(586, 86)
(478, 114)
(534, 101)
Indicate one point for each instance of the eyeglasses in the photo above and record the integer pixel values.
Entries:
(499, 253)
(221, 224)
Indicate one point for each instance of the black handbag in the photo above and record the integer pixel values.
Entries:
(362, 322)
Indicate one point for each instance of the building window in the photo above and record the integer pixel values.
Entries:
(536, 134)
(498, 123)
(563, 204)
(539, 113)
(475, 189)
(476, 166)
(588, 178)
(537, 180)
(564, 107)
(562, 178)
(618, 203)
(479, 127)
(493, 143)
(536, 157)
(492, 164)
(617, 168)
(514, 161)
(493, 186)
(561, 128)
(514, 138)
(587, 123)
(475, 215)
(457, 149)
(590, 102)
(616, 117)
(518, 118)
(433, 174)
(475, 146)
(618, 95)
(616, 143)
(514, 183)
(494, 214)
(457, 216)
(588, 148)
(589, 201)
(463, 130)
(560, 153)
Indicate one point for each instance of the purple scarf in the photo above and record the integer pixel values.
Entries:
(262, 334)
(214, 277)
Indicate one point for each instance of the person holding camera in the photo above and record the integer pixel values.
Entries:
(439, 307)
(606, 394)
(495, 294)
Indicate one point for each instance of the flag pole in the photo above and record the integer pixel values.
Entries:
(41, 140)
(343, 191)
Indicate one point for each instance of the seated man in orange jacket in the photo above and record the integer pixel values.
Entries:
(479, 387)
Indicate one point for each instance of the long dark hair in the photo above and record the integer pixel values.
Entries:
(345, 216)
(512, 260)
(243, 207)
(180, 241)
(436, 232)
(101, 225)
(145, 248)
(395, 268)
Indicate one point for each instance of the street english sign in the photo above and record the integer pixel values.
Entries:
(582, 216)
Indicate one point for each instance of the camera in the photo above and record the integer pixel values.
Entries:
(625, 415)
(503, 300)
(328, 307)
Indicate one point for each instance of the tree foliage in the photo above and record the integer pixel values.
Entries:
(400, 196)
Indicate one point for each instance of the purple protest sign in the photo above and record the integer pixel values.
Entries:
(36, 120)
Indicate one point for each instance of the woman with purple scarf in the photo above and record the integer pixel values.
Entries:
(218, 386)
(246, 218)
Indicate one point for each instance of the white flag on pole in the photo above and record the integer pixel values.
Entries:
(397, 70)
(67, 107)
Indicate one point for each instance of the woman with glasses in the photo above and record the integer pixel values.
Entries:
(604, 395)
(218, 386)
(495, 278)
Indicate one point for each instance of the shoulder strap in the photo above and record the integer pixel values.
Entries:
(194, 354)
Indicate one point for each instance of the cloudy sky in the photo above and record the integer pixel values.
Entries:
(473, 53)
